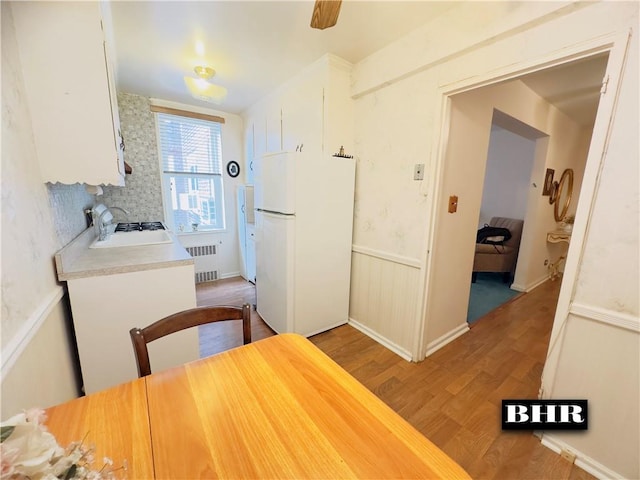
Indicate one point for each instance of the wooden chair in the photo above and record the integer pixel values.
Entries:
(183, 320)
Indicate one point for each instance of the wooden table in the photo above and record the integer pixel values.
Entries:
(277, 408)
(115, 420)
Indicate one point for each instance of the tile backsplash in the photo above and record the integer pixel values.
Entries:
(67, 203)
(142, 195)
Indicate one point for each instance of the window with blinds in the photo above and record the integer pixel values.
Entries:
(191, 162)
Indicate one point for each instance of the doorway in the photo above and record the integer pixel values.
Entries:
(510, 162)
(565, 145)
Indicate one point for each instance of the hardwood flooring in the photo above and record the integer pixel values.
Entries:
(453, 397)
(218, 337)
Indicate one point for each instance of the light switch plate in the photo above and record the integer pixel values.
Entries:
(418, 171)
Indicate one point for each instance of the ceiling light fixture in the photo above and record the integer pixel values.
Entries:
(204, 72)
(201, 89)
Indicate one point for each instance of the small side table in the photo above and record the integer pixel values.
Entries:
(557, 236)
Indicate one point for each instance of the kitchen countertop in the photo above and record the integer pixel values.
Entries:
(77, 260)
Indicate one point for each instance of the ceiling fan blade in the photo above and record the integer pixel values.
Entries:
(325, 13)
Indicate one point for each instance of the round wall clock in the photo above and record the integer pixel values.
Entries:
(233, 169)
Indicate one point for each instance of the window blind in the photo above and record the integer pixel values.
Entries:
(189, 145)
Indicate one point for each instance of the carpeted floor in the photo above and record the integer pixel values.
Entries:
(488, 293)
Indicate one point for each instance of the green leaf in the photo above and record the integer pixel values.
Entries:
(6, 431)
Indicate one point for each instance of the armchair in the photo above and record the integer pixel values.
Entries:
(499, 258)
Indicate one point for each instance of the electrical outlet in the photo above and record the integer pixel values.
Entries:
(568, 456)
(418, 171)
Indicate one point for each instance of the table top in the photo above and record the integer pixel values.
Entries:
(115, 421)
(276, 408)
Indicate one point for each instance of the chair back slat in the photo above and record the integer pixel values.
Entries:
(193, 317)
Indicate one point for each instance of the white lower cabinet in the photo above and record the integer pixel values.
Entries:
(106, 307)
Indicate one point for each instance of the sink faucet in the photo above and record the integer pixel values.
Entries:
(102, 229)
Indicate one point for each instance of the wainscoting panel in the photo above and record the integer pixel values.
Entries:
(39, 370)
(384, 295)
(598, 357)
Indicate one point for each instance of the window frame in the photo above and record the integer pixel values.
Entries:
(167, 192)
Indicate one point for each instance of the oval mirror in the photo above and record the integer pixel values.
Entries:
(563, 195)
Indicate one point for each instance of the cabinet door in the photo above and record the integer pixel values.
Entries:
(118, 139)
(260, 136)
(274, 131)
(72, 104)
(302, 119)
(249, 148)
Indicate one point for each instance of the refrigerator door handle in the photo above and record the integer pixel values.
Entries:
(272, 212)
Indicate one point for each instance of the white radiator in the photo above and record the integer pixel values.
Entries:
(206, 262)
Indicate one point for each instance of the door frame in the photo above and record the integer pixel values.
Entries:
(616, 45)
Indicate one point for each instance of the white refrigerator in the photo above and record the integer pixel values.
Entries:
(304, 226)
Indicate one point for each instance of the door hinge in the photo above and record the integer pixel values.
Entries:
(605, 82)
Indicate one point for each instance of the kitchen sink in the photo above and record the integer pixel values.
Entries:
(133, 239)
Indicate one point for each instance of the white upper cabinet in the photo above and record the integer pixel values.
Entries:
(274, 131)
(250, 153)
(302, 110)
(259, 135)
(312, 112)
(70, 91)
(338, 128)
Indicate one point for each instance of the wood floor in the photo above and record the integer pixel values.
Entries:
(453, 397)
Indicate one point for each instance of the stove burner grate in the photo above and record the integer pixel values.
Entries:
(139, 226)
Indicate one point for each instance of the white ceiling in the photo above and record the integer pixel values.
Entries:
(256, 45)
(573, 88)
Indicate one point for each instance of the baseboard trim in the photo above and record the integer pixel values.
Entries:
(398, 350)
(12, 351)
(530, 286)
(324, 329)
(583, 461)
(230, 275)
(447, 338)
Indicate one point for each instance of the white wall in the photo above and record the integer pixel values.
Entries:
(391, 208)
(37, 364)
(595, 348)
(399, 113)
(465, 164)
(506, 182)
(43, 374)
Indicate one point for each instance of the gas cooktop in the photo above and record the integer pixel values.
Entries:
(139, 226)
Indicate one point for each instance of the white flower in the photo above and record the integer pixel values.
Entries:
(8, 456)
(35, 445)
(37, 416)
(28, 450)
